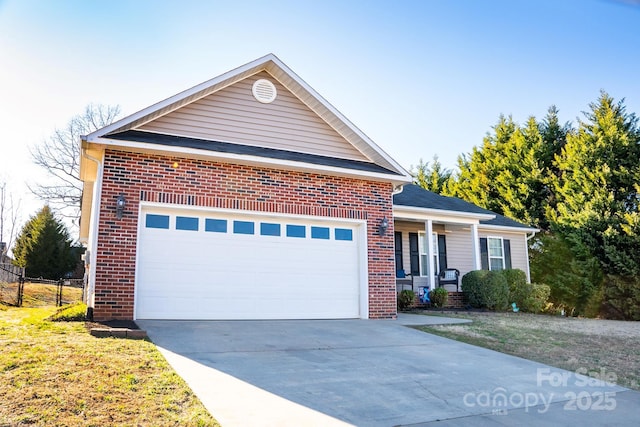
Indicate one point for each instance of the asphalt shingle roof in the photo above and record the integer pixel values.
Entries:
(415, 196)
(225, 147)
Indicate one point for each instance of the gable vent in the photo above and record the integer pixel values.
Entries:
(264, 91)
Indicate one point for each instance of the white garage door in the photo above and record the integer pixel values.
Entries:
(218, 265)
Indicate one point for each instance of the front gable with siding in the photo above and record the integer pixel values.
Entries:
(237, 209)
(233, 115)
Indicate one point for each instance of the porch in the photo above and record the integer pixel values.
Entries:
(451, 251)
(435, 234)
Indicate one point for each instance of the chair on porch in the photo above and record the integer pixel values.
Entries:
(449, 276)
(403, 279)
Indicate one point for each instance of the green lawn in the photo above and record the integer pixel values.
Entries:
(57, 374)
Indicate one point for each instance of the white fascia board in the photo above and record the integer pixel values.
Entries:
(417, 213)
(491, 227)
(194, 153)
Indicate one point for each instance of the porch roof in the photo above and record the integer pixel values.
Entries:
(418, 203)
(503, 221)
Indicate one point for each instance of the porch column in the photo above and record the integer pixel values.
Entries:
(475, 244)
(428, 227)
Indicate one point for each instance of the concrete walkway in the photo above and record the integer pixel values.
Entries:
(374, 373)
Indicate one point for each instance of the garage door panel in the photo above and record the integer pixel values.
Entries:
(186, 274)
(269, 278)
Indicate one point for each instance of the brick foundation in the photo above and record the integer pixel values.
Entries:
(142, 177)
(455, 300)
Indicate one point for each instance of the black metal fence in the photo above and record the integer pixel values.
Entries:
(10, 284)
(18, 290)
(9, 273)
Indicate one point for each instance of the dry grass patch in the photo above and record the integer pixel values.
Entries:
(593, 345)
(56, 374)
(37, 294)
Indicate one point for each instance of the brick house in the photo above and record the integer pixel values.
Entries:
(249, 196)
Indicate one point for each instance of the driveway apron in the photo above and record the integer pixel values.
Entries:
(374, 373)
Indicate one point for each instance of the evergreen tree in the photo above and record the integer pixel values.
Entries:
(431, 177)
(533, 176)
(573, 280)
(505, 174)
(44, 247)
(554, 138)
(518, 175)
(581, 188)
(597, 188)
(598, 199)
(477, 174)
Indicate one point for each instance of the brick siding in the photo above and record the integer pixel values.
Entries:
(212, 184)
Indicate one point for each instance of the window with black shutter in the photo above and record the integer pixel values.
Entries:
(442, 252)
(495, 253)
(398, 247)
(414, 254)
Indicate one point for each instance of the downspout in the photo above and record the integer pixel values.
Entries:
(475, 240)
(526, 248)
(93, 232)
(397, 189)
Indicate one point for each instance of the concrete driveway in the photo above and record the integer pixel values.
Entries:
(374, 373)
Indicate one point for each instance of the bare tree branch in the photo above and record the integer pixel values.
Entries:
(9, 219)
(59, 156)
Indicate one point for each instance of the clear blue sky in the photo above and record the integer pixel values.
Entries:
(418, 77)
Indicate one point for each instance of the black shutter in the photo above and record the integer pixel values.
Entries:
(414, 254)
(507, 253)
(442, 252)
(484, 253)
(398, 245)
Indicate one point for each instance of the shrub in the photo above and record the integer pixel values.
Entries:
(515, 277)
(486, 289)
(519, 289)
(439, 297)
(536, 301)
(472, 284)
(405, 299)
(527, 296)
(496, 291)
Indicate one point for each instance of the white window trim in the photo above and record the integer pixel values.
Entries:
(422, 252)
(489, 257)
